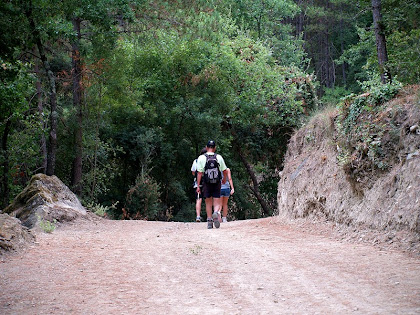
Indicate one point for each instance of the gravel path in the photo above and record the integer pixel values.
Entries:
(245, 267)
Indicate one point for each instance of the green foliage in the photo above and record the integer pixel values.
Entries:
(353, 106)
(367, 136)
(47, 226)
(16, 85)
(400, 15)
(404, 52)
(333, 96)
(402, 38)
(189, 90)
(143, 199)
(263, 18)
(18, 155)
(100, 165)
(361, 56)
(24, 151)
(152, 98)
(101, 210)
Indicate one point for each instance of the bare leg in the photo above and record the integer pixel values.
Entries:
(225, 206)
(217, 202)
(198, 206)
(209, 205)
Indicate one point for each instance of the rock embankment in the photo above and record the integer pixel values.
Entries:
(375, 205)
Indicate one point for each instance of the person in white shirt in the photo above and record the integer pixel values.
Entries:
(212, 182)
(198, 196)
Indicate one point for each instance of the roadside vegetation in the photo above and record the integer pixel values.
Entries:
(117, 98)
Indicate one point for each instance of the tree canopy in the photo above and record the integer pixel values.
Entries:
(117, 98)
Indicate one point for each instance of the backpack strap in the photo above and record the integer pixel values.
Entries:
(217, 162)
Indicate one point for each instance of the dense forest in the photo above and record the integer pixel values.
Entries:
(117, 97)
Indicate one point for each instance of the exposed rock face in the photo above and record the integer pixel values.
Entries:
(314, 185)
(13, 234)
(48, 198)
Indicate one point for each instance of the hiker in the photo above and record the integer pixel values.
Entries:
(198, 196)
(226, 191)
(210, 165)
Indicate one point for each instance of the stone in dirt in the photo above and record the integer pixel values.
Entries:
(13, 235)
(46, 198)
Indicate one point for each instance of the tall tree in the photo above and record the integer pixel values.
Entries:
(99, 19)
(380, 41)
(15, 89)
(78, 105)
(43, 140)
(37, 37)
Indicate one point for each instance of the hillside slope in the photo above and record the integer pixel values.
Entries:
(368, 186)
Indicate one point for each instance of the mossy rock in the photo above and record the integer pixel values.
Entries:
(47, 198)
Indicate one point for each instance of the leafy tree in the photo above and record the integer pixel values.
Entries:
(141, 87)
(15, 90)
(380, 41)
(186, 88)
(401, 31)
(93, 22)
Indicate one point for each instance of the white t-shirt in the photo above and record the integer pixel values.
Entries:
(194, 169)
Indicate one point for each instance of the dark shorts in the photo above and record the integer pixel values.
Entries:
(211, 190)
(225, 192)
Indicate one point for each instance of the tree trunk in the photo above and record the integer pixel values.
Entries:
(329, 62)
(343, 65)
(5, 191)
(77, 103)
(52, 148)
(255, 186)
(43, 142)
(380, 41)
(258, 21)
(327, 58)
(299, 20)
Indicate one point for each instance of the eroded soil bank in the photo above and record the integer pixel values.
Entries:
(332, 175)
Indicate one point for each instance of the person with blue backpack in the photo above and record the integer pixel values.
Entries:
(210, 167)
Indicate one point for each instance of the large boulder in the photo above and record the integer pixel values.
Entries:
(46, 198)
(13, 235)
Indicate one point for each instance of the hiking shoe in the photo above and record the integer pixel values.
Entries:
(198, 219)
(216, 219)
(210, 224)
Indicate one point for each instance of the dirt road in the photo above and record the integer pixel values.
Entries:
(248, 267)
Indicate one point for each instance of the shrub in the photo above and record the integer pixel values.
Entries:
(99, 209)
(142, 201)
(367, 136)
(45, 225)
